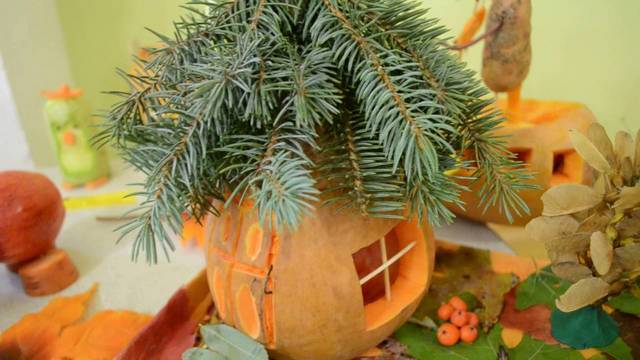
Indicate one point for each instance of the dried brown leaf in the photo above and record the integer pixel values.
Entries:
(601, 252)
(629, 198)
(569, 198)
(571, 271)
(628, 257)
(624, 146)
(599, 138)
(589, 152)
(583, 293)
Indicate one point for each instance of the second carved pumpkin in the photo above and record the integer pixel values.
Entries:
(540, 138)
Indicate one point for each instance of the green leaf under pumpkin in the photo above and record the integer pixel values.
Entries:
(541, 287)
(530, 349)
(467, 273)
(588, 327)
(423, 345)
(626, 302)
(232, 343)
(202, 354)
(618, 349)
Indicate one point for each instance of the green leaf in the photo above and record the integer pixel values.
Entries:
(423, 345)
(469, 299)
(202, 354)
(584, 328)
(232, 343)
(542, 287)
(626, 302)
(530, 349)
(618, 349)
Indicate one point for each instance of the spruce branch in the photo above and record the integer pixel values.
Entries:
(300, 103)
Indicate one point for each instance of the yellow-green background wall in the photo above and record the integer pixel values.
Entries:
(583, 50)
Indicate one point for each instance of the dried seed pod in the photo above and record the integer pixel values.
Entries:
(629, 198)
(624, 146)
(589, 152)
(568, 199)
(636, 158)
(629, 227)
(599, 138)
(571, 271)
(628, 256)
(595, 222)
(614, 274)
(626, 170)
(543, 228)
(583, 293)
(601, 252)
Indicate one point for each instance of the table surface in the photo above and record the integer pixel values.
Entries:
(123, 284)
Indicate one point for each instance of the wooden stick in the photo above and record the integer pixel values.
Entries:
(387, 280)
(391, 261)
(513, 105)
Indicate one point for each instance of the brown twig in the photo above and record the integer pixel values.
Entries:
(476, 40)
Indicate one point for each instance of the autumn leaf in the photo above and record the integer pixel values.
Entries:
(534, 321)
(543, 287)
(423, 345)
(587, 327)
(626, 302)
(530, 349)
(462, 270)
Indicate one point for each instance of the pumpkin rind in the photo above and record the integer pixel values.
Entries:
(305, 287)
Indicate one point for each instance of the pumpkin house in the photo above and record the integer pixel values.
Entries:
(339, 276)
(316, 144)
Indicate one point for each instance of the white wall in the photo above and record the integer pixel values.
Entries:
(35, 59)
(14, 151)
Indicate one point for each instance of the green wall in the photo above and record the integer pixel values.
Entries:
(102, 35)
(582, 51)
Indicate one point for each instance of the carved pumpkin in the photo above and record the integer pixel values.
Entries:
(300, 293)
(541, 139)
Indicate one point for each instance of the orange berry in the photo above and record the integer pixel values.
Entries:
(459, 318)
(448, 334)
(469, 333)
(473, 319)
(458, 303)
(445, 311)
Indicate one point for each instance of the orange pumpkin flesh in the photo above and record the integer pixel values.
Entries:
(540, 138)
(31, 215)
(299, 292)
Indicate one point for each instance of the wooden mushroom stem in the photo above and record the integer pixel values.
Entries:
(48, 274)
